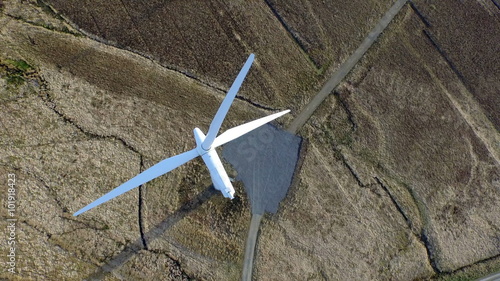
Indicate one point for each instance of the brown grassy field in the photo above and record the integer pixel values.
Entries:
(400, 178)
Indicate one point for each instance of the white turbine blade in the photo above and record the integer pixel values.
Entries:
(155, 171)
(240, 130)
(226, 103)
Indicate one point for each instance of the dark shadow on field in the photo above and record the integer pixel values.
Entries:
(266, 160)
(152, 234)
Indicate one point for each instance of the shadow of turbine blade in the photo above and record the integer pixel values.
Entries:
(133, 248)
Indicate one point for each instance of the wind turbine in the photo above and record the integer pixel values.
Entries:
(205, 147)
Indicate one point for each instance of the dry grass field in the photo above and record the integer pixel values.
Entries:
(400, 178)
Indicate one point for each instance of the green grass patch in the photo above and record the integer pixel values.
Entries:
(19, 65)
(14, 79)
(15, 71)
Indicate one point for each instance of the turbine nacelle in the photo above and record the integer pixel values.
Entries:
(199, 137)
(220, 179)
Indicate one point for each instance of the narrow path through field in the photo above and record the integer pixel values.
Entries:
(345, 68)
(492, 277)
(309, 109)
(250, 247)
